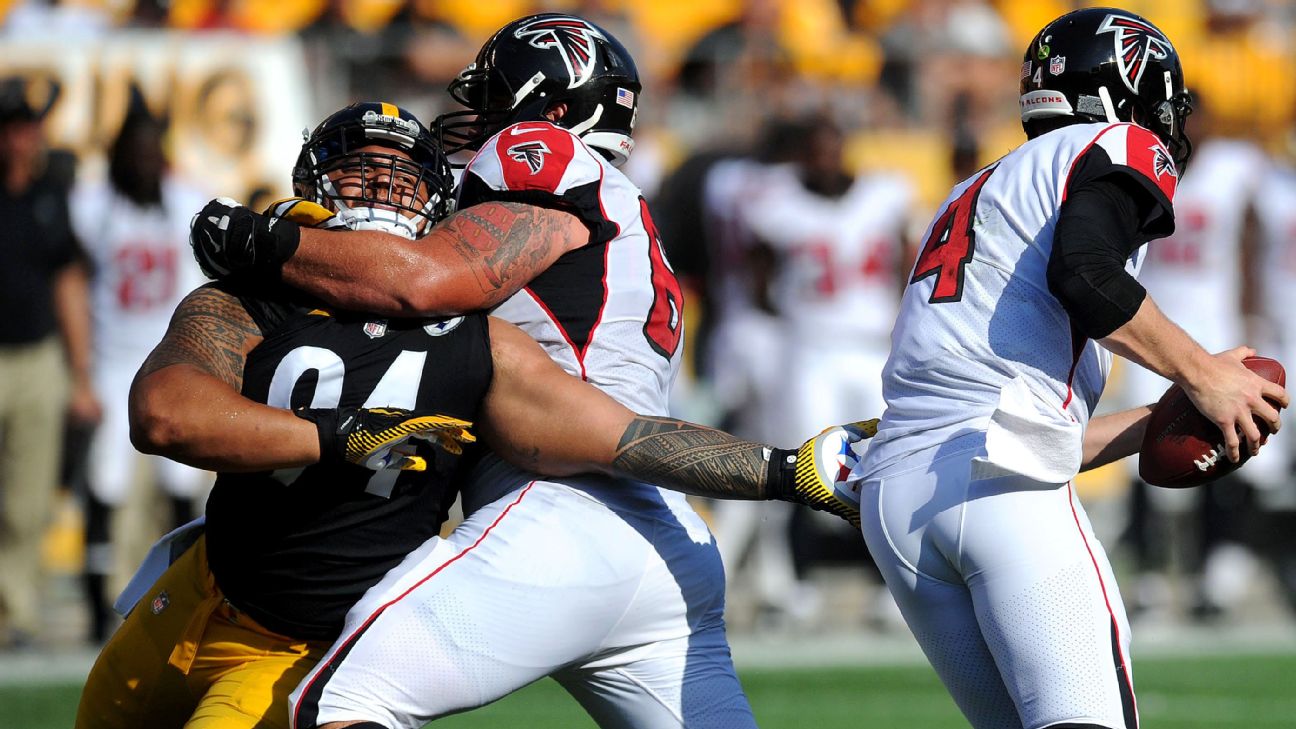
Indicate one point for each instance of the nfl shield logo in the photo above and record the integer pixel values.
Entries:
(160, 602)
(375, 329)
(1057, 65)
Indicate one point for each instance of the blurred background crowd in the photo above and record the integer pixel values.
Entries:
(793, 152)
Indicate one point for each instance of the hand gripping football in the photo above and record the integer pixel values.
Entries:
(1181, 448)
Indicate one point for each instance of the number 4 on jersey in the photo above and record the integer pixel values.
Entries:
(950, 246)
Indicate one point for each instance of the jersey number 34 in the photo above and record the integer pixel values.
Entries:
(949, 247)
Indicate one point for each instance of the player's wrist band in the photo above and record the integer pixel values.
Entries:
(276, 240)
(331, 427)
(780, 475)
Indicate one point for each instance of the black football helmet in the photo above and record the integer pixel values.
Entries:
(403, 194)
(1106, 65)
(538, 61)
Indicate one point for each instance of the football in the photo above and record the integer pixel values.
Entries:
(1181, 448)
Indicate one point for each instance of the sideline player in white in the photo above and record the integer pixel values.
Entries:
(134, 226)
(996, 365)
(836, 241)
(613, 587)
(839, 244)
(1274, 274)
(1203, 261)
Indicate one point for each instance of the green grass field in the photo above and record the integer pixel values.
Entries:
(1215, 692)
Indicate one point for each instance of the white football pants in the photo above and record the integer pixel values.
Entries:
(623, 607)
(1006, 589)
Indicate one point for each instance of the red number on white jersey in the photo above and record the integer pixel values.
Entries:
(146, 276)
(664, 325)
(950, 246)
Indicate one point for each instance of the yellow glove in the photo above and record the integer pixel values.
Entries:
(820, 474)
(375, 438)
(302, 212)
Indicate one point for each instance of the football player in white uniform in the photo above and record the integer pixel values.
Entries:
(1024, 285)
(1202, 261)
(134, 226)
(294, 533)
(838, 240)
(613, 587)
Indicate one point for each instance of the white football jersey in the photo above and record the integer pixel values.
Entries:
(1201, 262)
(142, 265)
(1275, 205)
(730, 187)
(839, 255)
(977, 314)
(610, 312)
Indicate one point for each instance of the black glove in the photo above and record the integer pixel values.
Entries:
(379, 438)
(228, 239)
(820, 473)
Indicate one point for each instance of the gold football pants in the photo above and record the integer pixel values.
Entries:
(187, 658)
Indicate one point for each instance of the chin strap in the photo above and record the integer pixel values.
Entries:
(1108, 107)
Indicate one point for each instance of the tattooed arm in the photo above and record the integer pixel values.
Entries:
(474, 259)
(539, 417)
(185, 403)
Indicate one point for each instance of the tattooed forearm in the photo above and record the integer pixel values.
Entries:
(692, 459)
(210, 330)
(506, 244)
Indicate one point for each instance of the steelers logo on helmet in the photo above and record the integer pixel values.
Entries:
(378, 168)
(535, 64)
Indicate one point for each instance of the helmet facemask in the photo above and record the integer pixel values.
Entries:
(1168, 120)
(490, 107)
(377, 175)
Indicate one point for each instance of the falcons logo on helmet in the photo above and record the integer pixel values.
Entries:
(532, 153)
(572, 37)
(1136, 41)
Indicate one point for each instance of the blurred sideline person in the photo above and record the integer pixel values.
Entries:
(134, 227)
(836, 244)
(286, 399)
(44, 352)
(1023, 289)
(1207, 259)
(1275, 295)
(725, 277)
(551, 103)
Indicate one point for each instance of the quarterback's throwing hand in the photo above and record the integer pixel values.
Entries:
(378, 438)
(821, 473)
(229, 239)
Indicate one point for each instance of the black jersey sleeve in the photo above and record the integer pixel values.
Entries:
(1098, 229)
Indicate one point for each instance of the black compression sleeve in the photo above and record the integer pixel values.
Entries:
(1098, 228)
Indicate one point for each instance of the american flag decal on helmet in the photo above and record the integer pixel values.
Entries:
(572, 37)
(532, 153)
(1136, 41)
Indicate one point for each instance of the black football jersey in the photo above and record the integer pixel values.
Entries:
(296, 548)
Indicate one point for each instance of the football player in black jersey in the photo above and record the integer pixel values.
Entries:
(338, 438)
